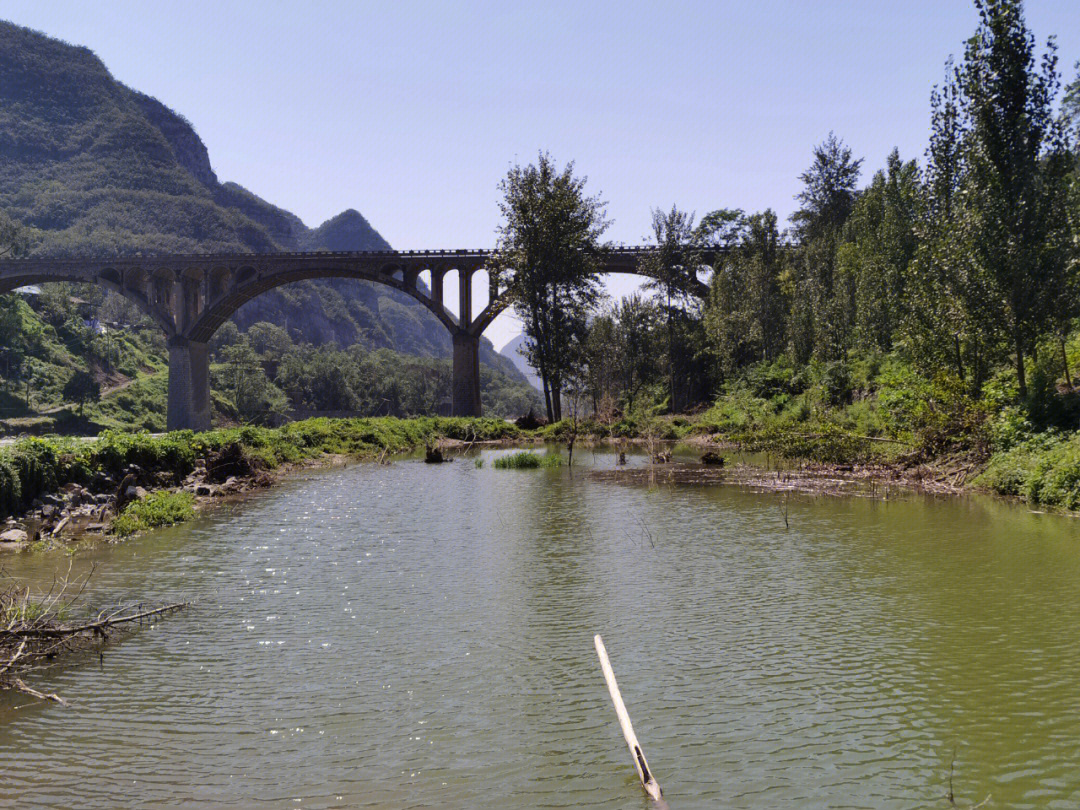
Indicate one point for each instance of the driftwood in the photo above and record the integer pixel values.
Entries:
(35, 631)
(645, 775)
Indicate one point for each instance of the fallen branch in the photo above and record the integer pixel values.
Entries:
(102, 624)
(35, 630)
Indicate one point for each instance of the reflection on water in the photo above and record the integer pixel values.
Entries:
(421, 636)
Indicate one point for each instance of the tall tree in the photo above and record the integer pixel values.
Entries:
(745, 317)
(827, 199)
(880, 243)
(1017, 162)
(672, 270)
(548, 257)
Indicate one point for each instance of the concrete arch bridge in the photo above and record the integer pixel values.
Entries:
(190, 295)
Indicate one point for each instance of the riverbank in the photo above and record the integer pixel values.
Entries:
(963, 450)
(57, 491)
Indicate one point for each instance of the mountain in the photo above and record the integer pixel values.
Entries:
(512, 352)
(90, 166)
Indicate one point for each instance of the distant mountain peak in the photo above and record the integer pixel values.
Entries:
(349, 230)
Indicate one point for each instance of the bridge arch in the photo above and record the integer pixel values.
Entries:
(109, 278)
(226, 298)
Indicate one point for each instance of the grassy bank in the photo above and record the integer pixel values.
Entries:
(34, 468)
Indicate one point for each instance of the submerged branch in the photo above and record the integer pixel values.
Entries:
(37, 630)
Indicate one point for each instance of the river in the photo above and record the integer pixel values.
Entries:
(412, 635)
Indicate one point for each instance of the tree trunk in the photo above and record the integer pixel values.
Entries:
(1021, 377)
(959, 357)
(1065, 361)
(671, 355)
(547, 397)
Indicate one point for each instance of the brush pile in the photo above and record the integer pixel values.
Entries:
(39, 631)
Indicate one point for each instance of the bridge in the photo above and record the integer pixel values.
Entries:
(190, 295)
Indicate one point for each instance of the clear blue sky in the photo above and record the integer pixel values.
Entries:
(411, 112)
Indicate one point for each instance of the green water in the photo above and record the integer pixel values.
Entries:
(415, 635)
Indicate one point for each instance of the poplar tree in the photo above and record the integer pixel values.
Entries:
(548, 257)
(1014, 218)
(672, 271)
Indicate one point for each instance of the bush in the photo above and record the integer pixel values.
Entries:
(156, 509)
(35, 461)
(10, 487)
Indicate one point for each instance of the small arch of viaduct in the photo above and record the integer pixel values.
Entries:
(190, 296)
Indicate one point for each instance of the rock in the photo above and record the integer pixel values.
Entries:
(32, 526)
(204, 490)
(59, 527)
(14, 536)
(48, 510)
(713, 458)
(530, 421)
(128, 483)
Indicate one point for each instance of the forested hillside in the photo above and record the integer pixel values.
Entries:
(92, 167)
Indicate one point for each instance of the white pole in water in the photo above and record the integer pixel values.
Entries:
(648, 781)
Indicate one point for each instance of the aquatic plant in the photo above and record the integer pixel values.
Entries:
(527, 460)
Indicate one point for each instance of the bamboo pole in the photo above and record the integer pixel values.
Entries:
(648, 781)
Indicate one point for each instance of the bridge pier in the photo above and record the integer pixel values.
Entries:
(466, 384)
(189, 385)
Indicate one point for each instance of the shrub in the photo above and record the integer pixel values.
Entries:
(10, 487)
(35, 461)
(156, 509)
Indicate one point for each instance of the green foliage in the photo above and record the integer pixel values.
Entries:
(10, 486)
(387, 383)
(548, 258)
(1044, 469)
(526, 460)
(156, 509)
(82, 388)
(35, 461)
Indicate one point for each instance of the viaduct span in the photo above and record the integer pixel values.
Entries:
(190, 295)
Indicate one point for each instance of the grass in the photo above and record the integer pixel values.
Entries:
(156, 509)
(527, 460)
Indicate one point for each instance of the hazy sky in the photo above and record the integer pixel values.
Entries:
(411, 112)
